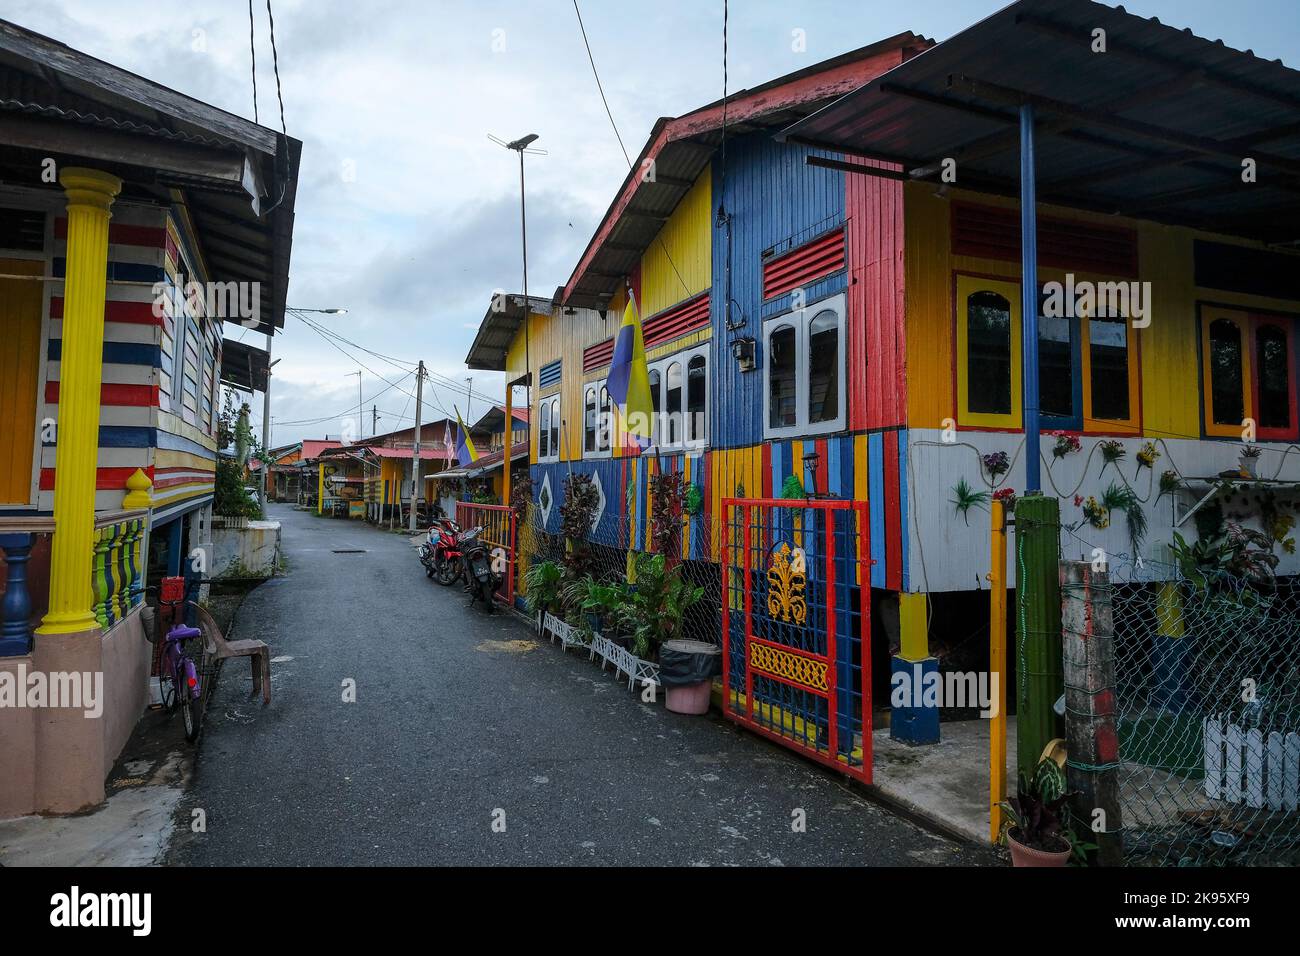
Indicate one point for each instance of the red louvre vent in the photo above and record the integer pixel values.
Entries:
(682, 318)
(800, 266)
(992, 233)
(596, 356)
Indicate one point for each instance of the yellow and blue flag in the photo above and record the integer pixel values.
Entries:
(629, 381)
(466, 453)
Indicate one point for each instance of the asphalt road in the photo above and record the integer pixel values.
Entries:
(471, 744)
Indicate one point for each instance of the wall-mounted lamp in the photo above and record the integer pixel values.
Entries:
(743, 351)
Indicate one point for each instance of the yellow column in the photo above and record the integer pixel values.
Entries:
(90, 196)
(913, 628)
(320, 487)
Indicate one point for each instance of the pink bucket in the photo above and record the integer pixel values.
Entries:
(691, 699)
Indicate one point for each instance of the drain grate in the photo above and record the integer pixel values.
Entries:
(349, 550)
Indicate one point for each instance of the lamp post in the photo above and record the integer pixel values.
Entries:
(521, 145)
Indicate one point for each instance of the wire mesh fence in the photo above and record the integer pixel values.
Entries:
(614, 554)
(1207, 686)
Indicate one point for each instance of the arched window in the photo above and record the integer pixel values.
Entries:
(988, 354)
(782, 377)
(824, 367)
(555, 427)
(1273, 355)
(673, 405)
(589, 422)
(1227, 381)
(656, 403)
(697, 390)
(604, 423)
(544, 433)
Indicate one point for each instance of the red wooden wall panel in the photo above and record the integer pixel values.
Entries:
(877, 386)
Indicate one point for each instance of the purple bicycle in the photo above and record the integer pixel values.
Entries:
(180, 675)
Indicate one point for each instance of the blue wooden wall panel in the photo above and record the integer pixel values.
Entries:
(774, 201)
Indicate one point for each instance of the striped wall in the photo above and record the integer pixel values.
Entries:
(862, 466)
(159, 376)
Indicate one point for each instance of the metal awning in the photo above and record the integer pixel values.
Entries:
(244, 366)
(501, 323)
(1156, 127)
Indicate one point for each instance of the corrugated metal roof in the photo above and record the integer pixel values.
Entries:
(243, 365)
(503, 319)
(1155, 127)
(234, 179)
(682, 147)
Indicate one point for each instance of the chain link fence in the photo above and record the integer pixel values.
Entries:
(1207, 687)
(609, 555)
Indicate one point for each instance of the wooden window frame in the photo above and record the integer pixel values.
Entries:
(1288, 325)
(1242, 320)
(967, 284)
(800, 319)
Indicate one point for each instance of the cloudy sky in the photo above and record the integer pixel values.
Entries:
(407, 214)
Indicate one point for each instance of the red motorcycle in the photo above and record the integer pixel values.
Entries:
(440, 553)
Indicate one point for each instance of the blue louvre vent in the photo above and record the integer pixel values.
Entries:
(549, 374)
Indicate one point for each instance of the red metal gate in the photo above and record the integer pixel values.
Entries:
(796, 626)
(498, 524)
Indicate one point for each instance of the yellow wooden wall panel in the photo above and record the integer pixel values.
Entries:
(21, 302)
(679, 261)
(928, 271)
(1171, 398)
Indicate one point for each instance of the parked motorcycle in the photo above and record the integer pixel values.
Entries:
(439, 554)
(476, 567)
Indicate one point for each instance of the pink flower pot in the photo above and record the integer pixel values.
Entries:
(691, 699)
(1022, 855)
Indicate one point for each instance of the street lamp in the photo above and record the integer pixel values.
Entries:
(521, 145)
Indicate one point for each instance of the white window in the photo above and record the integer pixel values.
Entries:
(597, 420)
(804, 390)
(679, 393)
(548, 432)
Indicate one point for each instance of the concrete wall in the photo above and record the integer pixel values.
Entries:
(55, 759)
(253, 550)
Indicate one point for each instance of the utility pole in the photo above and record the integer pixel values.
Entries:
(266, 428)
(374, 420)
(415, 456)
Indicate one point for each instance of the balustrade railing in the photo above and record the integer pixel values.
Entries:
(117, 570)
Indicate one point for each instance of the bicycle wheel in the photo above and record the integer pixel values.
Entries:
(191, 715)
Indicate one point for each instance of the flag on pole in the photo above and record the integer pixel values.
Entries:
(466, 453)
(447, 443)
(629, 381)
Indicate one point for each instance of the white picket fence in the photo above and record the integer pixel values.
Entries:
(1251, 767)
(638, 671)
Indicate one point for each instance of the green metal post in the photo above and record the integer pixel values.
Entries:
(1039, 681)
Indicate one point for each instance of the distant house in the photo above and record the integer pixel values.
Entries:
(134, 223)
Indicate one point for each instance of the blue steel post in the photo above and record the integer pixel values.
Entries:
(1029, 297)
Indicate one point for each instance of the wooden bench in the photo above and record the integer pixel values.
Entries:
(218, 648)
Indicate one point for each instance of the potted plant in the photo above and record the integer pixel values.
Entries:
(600, 603)
(653, 614)
(1035, 832)
(1248, 460)
(542, 588)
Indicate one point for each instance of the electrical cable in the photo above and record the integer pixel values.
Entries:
(252, 50)
(275, 60)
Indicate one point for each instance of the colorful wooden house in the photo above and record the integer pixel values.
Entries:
(134, 222)
(829, 279)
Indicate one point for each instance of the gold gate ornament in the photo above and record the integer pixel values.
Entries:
(786, 579)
